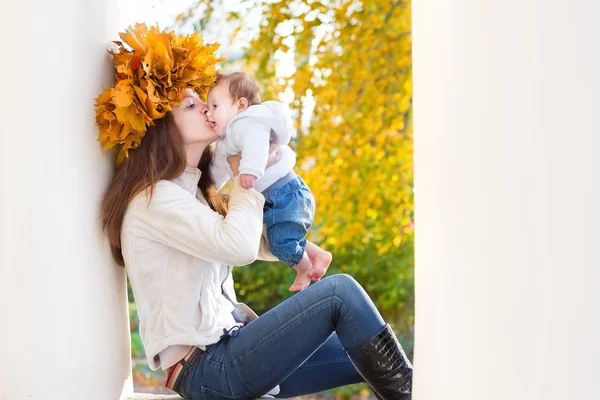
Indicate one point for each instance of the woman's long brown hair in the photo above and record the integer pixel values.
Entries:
(161, 155)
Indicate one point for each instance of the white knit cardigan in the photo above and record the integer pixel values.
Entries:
(178, 253)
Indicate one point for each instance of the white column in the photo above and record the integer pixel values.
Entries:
(64, 324)
(507, 199)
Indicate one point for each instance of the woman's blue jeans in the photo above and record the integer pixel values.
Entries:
(298, 345)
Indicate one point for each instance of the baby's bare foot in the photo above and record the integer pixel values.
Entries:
(301, 282)
(320, 262)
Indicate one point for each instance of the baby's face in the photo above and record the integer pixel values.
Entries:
(221, 108)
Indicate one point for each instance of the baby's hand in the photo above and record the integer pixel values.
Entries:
(247, 181)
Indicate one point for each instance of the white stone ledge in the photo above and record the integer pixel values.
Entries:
(148, 396)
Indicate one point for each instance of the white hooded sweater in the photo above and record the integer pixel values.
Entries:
(249, 132)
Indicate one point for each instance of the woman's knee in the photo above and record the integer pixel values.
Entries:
(343, 285)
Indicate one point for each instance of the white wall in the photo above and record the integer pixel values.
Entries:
(507, 178)
(63, 331)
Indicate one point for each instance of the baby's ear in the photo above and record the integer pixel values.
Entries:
(242, 103)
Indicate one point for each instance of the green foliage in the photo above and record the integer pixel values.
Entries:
(134, 322)
(137, 348)
(387, 278)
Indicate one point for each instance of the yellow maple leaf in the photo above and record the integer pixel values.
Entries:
(122, 94)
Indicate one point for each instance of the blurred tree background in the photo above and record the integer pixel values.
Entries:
(344, 67)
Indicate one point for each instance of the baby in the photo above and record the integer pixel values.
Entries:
(249, 126)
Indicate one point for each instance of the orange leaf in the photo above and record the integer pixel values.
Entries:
(122, 94)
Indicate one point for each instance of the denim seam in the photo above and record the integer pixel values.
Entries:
(343, 310)
(227, 371)
(277, 333)
(332, 361)
(207, 357)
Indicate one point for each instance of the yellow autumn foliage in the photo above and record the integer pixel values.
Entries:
(353, 59)
(153, 67)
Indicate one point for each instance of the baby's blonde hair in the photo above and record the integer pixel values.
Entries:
(241, 85)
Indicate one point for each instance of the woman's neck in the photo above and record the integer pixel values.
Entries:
(193, 153)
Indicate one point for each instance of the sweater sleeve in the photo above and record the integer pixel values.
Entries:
(177, 219)
(252, 138)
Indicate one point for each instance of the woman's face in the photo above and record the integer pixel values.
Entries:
(192, 121)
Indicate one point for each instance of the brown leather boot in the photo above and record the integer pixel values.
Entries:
(384, 366)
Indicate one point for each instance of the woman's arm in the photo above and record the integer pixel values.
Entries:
(177, 219)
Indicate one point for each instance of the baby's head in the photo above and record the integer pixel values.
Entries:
(231, 94)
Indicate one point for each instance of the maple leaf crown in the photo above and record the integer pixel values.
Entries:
(150, 79)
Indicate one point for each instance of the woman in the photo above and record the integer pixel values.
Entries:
(178, 237)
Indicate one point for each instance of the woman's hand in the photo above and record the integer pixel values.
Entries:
(275, 158)
(234, 162)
